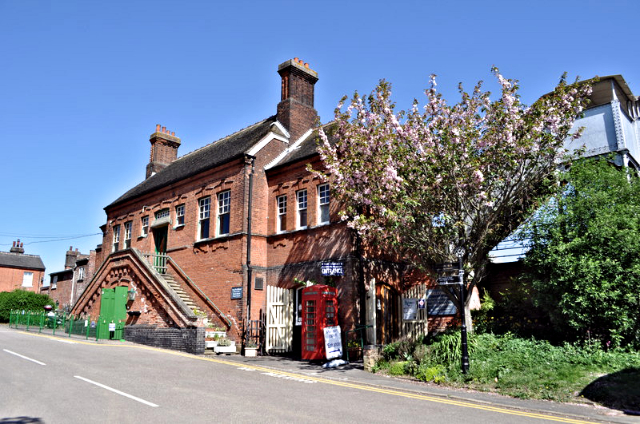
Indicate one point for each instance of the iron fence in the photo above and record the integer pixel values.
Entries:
(63, 323)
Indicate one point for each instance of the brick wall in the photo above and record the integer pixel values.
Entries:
(190, 340)
(12, 278)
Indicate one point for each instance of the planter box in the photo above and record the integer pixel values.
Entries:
(211, 333)
(210, 344)
(250, 351)
(225, 349)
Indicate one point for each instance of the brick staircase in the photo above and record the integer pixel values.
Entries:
(177, 288)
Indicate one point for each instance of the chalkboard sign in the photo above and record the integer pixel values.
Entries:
(439, 303)
(236, 292)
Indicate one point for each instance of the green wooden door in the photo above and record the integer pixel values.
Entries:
(113, 310)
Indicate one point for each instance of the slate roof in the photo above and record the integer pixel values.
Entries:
(207, 157)
(20, 260)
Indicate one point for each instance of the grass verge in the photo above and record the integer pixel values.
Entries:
(522, 368)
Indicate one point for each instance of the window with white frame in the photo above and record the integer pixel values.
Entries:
(27, 279)
(179, 215)
(116, 238)
(323, 204)
(144, 228)
(54, 282)
(302, 208)
(224, 209)
(282, 214)
(81, 273)
(162, 213)
(127, 234)
(204, 209)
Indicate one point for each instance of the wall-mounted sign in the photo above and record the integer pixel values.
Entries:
(332, 269)
(409, 309)
(236, 293)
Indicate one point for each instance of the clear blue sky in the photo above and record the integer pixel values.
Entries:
(83, 83)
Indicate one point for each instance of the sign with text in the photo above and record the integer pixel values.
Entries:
(439, 303)
(332, 269)
(332, 342)
(409, 309)
(449, 279)
(236, 293)
(447, 266)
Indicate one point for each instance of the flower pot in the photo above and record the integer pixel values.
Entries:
(225, 349)
(250, 351)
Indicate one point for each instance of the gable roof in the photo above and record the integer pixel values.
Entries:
(305, 147)
(224, 150)
(20, 260)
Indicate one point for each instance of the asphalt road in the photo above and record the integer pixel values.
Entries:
(55, 380)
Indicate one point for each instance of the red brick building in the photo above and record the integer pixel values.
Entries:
(20, 271)
(67, 285)
(227, 231)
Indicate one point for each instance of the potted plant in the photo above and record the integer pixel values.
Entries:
(211, 341)
(213, 330)
(225, 346)
(251, 349)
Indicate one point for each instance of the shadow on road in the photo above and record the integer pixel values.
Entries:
(21, 420)
(619, 390)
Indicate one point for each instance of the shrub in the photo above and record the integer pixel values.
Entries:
(22, 300)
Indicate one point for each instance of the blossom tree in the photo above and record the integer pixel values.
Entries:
(432, 178)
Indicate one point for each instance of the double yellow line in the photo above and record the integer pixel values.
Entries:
(355, 386)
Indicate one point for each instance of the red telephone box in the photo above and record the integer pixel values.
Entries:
(319, 310)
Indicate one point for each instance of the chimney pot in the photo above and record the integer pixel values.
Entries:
(157, 127)
(306, 65)
(295, 59)
(173, 133)
(164, 129)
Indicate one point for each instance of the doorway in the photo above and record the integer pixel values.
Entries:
(160, 242)
(387, 314)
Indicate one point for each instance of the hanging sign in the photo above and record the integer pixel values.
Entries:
(332, 342)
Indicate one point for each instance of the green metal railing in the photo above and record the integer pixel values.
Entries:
(64, 323)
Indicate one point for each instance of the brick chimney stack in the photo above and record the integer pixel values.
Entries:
(18, 247)
(295, 110)
(164, 150)
(71, 258)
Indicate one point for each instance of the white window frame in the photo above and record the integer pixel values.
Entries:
(302, 198)
(54, 282)
(27, 279)
(224, 212)
(180, 215)
(81, 273)
(128, 226)
(204, 214)
(324, 199)
(144, 227)
(281, 206)
(116, 238)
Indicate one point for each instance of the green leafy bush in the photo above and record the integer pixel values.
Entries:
(22, 300)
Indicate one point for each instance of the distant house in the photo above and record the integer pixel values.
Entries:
(67, 285)
(20, 271)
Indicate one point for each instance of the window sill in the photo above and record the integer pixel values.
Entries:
(141, 237)
(178, 227)
(216, 238)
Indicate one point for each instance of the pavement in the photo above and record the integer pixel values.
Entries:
(354, 373)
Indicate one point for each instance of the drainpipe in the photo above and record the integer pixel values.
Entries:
(249, 214)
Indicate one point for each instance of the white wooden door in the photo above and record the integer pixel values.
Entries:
(279, 319)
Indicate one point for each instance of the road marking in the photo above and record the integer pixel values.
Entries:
(24, 357)
(430, 398)
(65, 341)
(117, 391)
